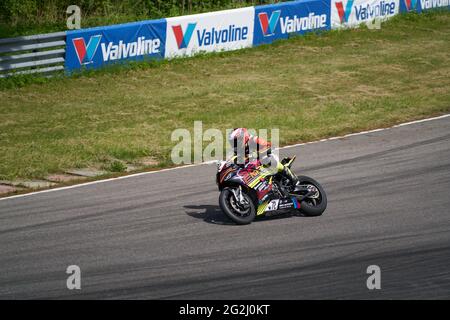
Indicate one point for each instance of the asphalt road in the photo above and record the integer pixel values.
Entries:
(162, 235)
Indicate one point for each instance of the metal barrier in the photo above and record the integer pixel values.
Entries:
(43, 53)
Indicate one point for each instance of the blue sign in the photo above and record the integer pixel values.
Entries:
(96, 47)
(422, 5)
(278, 21)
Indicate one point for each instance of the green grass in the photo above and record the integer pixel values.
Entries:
(309, 87)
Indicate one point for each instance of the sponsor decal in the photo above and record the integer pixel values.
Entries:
(298, 24)
(285, 204)
(111, 51)
(217, 31)
(95, 47)
(430, 4)
(273, 205)
(85, 53)
(216, 36)
(208, 37)
(121, 50)
(268, 25)
(344, 13)
(295, 202)
(291, 24)
(183, 39)
(280, 21)
(355, 12)
(369, 12)
(410, 4)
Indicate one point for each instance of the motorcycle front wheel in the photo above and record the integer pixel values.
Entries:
(240, 212)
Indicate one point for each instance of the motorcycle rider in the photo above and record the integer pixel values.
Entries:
(243, 142)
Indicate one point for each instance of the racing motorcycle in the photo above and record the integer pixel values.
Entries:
(256, 190)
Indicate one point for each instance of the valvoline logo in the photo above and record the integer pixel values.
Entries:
(111, 51)
(94, 47)
(410, 4)
(430, 4)
(283, 20)
(354, 12)
(268, 25)
(85, 53)
(183, 38)
(344, 13)
(208, 36)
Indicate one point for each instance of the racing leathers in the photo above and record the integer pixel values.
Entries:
(244, 144)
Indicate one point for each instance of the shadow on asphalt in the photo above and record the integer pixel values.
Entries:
(213, 214)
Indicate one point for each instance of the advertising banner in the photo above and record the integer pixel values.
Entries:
(225, 30)
(351, 13)
(278, 21)
(213, 31)
(96, 47)
(421, 5)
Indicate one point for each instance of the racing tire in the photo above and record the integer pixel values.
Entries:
(226, 203)
(313, 207)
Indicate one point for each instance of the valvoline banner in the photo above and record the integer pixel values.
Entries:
(421, 5)
(225, 30)
(213, 31)
(278, 21)
(95, 47)
(351, 13)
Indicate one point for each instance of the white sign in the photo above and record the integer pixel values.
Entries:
(351, 13)
(214, 31)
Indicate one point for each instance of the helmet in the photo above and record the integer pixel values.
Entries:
(239, 137)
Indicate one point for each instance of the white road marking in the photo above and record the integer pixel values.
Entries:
(210, 162)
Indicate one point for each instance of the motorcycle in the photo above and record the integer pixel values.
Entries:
(256, 190)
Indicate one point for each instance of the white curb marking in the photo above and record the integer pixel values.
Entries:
(210, 162)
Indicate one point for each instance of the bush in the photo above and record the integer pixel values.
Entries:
(20, 11)
(15, 10)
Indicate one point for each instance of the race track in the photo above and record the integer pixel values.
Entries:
(162, 235)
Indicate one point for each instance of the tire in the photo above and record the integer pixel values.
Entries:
(306, 206)
(227, 208)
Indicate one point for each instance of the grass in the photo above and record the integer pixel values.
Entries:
(309, 87)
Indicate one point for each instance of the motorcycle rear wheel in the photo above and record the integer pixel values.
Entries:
(240, 214)
(313, 206)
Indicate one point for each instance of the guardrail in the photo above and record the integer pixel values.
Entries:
(187, 35)
(44, 53)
